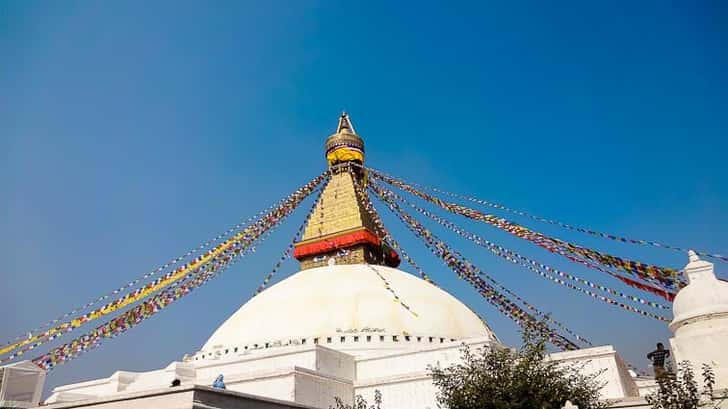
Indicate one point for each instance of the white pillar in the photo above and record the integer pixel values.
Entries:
(700, 323)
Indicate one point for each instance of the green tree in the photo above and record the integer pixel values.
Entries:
(501, 378)
(680, 390)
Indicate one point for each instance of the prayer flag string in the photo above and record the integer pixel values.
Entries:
(384, 236)
(539, 268)
(565, 225)
(389, 240)
(143, 311)
(387, 237)
(388, 287)
(287, 253)
(369, 208)
(497, 284)
(88, 342)
(662, 276)
(658, 291)
(467, 271)
(150, 307)
(524, 261)
(145, 276)
(256, 229)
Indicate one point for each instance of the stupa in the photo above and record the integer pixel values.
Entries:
(340, 297)
(349, 323)
(700, 322)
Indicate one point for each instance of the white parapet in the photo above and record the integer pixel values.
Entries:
(21, 385)
(607, 365)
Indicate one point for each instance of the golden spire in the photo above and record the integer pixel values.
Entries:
(344, 145)
(340, 230)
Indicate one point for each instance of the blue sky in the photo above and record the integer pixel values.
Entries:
(131, 132)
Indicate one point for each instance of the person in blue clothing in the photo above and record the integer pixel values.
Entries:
(219, 382)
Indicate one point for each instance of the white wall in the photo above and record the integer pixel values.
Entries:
(314, 375)
(279, 385)
(417, 393)
(208, 370)
(334, 363)
(318, 391)
(399, 363)
(605, 361)
(703, 341)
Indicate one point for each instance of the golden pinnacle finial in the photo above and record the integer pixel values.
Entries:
(345, 125)
(344, 145)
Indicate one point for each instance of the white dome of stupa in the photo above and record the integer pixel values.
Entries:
(705, 294)
(347, 307)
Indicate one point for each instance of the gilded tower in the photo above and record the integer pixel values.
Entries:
(340, 229)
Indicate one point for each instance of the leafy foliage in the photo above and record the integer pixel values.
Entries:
(360, 402)
(500, 378)
(680, 390)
